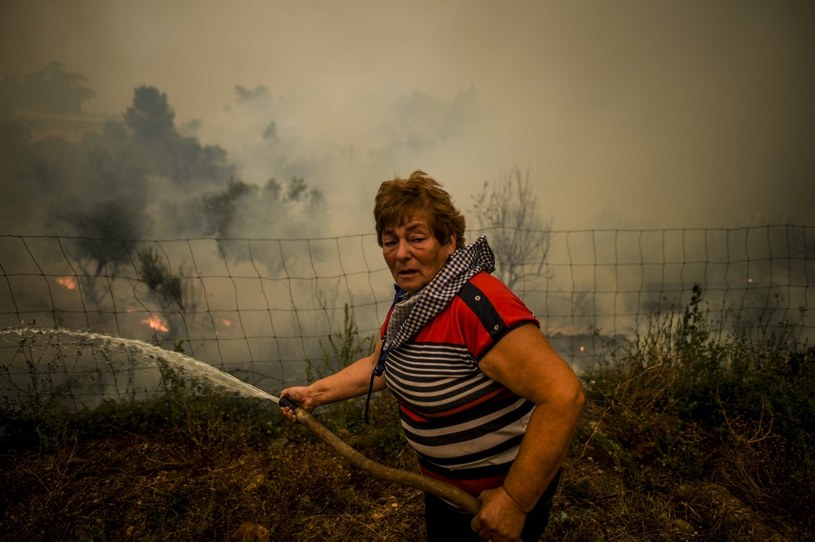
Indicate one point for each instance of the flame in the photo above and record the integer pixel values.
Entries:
(226, 322)
(67, 282)
(157, 324)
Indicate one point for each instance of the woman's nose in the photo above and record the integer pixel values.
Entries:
(403, 250)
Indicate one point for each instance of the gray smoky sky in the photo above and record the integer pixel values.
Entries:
(629, 114)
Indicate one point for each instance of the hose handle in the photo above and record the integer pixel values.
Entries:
(286, 402)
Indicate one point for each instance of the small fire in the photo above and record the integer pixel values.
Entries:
(582, 348)
(157, 324)
(226, 322)
(68, 282)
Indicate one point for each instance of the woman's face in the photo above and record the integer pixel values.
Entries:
(413, 253)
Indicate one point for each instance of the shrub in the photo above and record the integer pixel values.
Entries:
(692, 399)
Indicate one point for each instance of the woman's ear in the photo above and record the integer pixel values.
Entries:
(451, 247)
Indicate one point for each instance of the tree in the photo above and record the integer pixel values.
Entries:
(105, 231)
(165, 151)
(221, 208)
(102, 246)
(175, 297)
(519, 237)
(51, 90)
(150, 117)
(167, 287)
(242, 207)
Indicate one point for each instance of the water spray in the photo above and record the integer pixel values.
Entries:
(137, 351)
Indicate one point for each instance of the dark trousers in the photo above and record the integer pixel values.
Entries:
(448, 524)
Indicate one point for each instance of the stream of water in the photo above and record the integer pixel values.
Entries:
(82, 368)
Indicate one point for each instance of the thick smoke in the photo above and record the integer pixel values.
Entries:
(283, 168)
(276, 165)
(132, 177)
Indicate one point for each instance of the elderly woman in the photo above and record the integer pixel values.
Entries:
(484, 400)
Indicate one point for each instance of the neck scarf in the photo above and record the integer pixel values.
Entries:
(411, 312)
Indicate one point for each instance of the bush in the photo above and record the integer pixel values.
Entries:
(696, 401)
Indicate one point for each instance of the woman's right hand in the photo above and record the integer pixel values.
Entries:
(301, 396)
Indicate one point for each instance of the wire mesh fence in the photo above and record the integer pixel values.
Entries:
(265, 310)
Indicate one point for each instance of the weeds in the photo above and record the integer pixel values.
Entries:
(700, 430)
(694, 404)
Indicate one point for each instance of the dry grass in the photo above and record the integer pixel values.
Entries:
(685, 438)
(159, 485)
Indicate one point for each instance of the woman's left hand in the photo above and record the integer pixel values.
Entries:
(499, 519)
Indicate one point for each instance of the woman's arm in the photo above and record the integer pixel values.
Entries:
(526, 363)
(351, 381)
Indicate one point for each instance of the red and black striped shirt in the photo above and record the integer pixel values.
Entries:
(465, 427)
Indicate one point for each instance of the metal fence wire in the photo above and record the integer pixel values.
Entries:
(264, 309)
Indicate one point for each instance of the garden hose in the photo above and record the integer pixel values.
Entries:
(452, 494)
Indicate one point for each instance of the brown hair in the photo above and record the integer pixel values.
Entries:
(399, 199)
